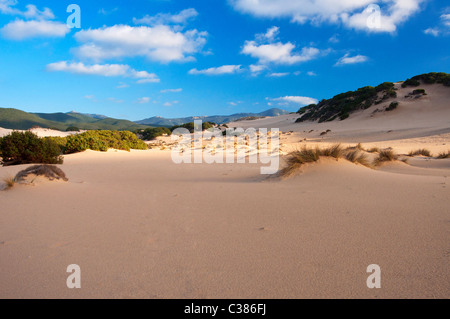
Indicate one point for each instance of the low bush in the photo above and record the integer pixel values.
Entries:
(154, 132)
(26, 147)
(392, 106)
(444, 155)
(102, 140)
(72, 129)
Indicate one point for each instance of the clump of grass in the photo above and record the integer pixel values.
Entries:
(298, 158)
(373, 150)
(335, 151)
(386, 155)
(444, 155)
(422, 151)
(9, 182)
(49, 171)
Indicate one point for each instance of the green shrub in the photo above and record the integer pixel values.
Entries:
(392, 106)
(419, 91)
(72, 129)
(154, 132)
(27, 147)
(190, 126)
(102, 140)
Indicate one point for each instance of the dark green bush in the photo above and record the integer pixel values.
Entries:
(152, 133)
(392, 106)
(419, 91)
(72, 129)
(190, 126)
(26, 147)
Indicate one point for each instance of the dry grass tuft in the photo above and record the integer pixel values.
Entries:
(421, 151)
(359, 157)
(386, 155)
(444, 155)
(49, 171)
(9, 182)
(373, 150)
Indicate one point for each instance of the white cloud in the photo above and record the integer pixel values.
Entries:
(347, 59)
(352, 13)
(445, 18)
(170, 103)
(114, 100)
(107, 12)
(159, 43)
(107, 70)
(311, 73)
(21, 30)
(255, 69)
(122, 85)
(224, 69)
(90, 97)
(32, 12)
(301, 100)
(278, 75)
(276, 52)
(166, 18)
(143, 100)
(171, 90)
(433, 31)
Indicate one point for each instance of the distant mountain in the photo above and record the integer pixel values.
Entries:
(16, 119)
(219, 119)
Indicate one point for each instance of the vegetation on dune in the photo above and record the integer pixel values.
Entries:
(355, 154)
(103, 140)
(154, 132)
(423, 152)
(26, 147)
(428, 78)
(392, 106)
(49, 171)
(343, 105)
(444, 155)
(190, 126)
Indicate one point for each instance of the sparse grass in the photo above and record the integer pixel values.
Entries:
(444, 155)
(386, 155)
(421, 151)
(335, 151)
(356, 156)
(9, 182)
(373, 150)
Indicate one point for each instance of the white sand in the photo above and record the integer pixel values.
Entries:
(141, 226)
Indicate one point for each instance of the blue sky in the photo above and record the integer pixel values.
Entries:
(174, 58)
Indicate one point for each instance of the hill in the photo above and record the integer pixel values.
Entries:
(219, 119)
(19, 120)
(344, 104)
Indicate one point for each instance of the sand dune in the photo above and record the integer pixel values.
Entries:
(140, 226)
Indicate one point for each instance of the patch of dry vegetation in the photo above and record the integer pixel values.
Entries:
(422, 151)
(49, 171)
(444, 155)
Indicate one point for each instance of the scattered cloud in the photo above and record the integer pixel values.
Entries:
(22, 30)
(106, 11)
(311, 73)
(266, 51)
(357, 14)
(347, 59)
(107, 70)
(300, 100)
(114, 100)
(256, 69)
(171, 103)
(224, 69)
(171, 90)
(279, 75)
(443, 28)
(159, 43)
(181, 17)
(122, 85)
(91, 97)
(32, 12)
(143, 100)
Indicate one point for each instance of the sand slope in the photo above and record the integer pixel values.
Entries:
(140, 226)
